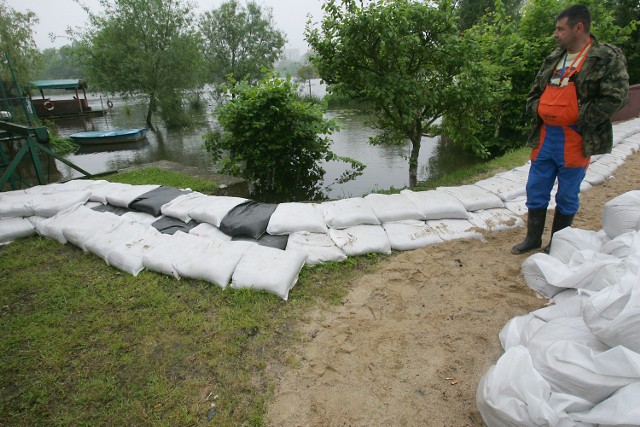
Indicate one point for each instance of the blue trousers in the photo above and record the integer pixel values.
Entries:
(549, 164)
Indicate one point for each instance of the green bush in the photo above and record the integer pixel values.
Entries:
(271, 137)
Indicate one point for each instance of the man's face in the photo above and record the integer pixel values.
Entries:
(565, 35)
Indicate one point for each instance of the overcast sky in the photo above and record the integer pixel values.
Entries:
(55, 16)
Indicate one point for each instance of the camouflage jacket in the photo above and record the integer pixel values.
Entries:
(602, 86)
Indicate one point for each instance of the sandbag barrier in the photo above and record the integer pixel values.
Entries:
(236, 242)
(576, 361)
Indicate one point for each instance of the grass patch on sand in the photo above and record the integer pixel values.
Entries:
(161, 177)
(85, 344)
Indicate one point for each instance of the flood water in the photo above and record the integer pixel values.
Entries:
(386, 167)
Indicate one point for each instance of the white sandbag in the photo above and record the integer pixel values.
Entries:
(92, 225)
(393, 207)
(623, 150)
(519, 330)
(408, 235)
(585, 186)
(182, 206)
(215, 263)
(52, 227)
(574, 361)
(519, 175)
(13, 204)
(139, 217)
(619, 409)
(127, 193)
(603, 168)
(171, 251)
(268, 269)
(518, 205)
(318, 247)
(621, 214)
(127, 256)
(474, 198)
(42, 189)
(435, 204)
(570, 240)
(293, 217)
(211, 232)
(539, 269)
(100, 192)
(620, 246)
(593, 177)
(495, 219)
(361, 239)
(567, 303)
(79, 185)
(450, 229)
(212, 209)
(350, 212)
(512, 393)
(15, 228)
(104, 240)
(49, 204)
(503, 187)
(584, 266)
(613, 314)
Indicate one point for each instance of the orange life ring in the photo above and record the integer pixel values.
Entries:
(49, 105)
(109, 104)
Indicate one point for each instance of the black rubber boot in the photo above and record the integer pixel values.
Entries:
(535, 228)
(560, 221)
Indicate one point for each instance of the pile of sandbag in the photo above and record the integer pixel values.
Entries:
(576, 361)
(268, 243)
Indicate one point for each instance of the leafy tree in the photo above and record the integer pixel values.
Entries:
(239, 42)
(626, 14)
(63, 63)
(16, 40)
(400, 57)
(145, 47)
(470, 11)
(273, 138)
(307, 72)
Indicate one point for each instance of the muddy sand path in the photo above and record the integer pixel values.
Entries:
(408, 345)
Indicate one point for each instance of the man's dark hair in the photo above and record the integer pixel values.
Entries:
(577, 13)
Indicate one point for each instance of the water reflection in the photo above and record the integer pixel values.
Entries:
(387, 166)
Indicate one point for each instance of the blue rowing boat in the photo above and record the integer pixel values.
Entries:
(109, 136)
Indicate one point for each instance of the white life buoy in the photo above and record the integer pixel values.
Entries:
(49, 105)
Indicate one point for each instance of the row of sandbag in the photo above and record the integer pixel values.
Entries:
(576, 361)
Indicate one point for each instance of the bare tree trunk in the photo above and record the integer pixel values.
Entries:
(150, 111)
(416, 139)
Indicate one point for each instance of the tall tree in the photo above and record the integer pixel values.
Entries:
(626, 14)
(16, 40)
(63, 63)
(400, 57)
(470, 11)
(145, 47)
(239, 42)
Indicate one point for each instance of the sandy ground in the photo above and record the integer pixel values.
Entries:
(408, 345)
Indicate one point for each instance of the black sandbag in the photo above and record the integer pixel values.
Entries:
(248, 219)
(151, 201)
(112, 209)
(277, 242)
(168, 225)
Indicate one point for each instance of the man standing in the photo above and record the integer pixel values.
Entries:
(577, 90)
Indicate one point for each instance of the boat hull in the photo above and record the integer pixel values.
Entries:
(109, 137)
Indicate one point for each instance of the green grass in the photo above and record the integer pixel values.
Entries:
(161, 177)
(85, 344)
(480, 171)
